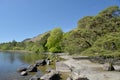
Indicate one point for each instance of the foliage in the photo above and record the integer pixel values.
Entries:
(108, 45)
(84, 22)
(29, 45)
(109, 12)
(74, 44)
(53, 42)
(12, 45)
(94, 35)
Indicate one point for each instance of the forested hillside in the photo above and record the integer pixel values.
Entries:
(94, 35)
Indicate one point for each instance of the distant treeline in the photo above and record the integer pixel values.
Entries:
(94, 35)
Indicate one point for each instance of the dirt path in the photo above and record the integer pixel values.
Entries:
(93, 71)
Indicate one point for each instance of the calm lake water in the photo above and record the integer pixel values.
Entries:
(9, 63)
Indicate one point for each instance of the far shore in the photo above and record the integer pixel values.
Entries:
(14, 51)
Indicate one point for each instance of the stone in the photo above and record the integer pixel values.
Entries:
(38, 74)
(48, 62)
(69, 78)
(21, 69)
(40, 62)
(44, 77)
(53, 75)
(23, 73)
(34, 78)
(108, 67)
(62, 67)
(32, 68)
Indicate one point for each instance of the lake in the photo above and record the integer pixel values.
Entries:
(9, 63)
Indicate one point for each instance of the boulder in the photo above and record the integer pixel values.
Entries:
(23, 73)
(62, 67)
(40, 62)
(21, 69)
(44, 77)
(34, 78)
(32, 68)
(53, 75)
(48, 62)
(108, 67)
(69, 78)
(39, 74)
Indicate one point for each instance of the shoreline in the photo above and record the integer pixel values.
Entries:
(14, 51)
(90, 70)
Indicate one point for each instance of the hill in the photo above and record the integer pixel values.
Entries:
(36, 38)
(95, 36)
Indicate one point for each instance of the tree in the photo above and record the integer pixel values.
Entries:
(84, 22)
(13, 43)
(53, 42)
(110, 12)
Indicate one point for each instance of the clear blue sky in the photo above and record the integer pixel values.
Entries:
(20, 19)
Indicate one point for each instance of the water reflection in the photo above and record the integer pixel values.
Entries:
(9, 63)
(31, 58)
(8, 57)
(12, 58)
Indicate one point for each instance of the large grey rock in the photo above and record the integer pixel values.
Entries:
(69, 78)
(40, 62)
(44, 77)
(53, 75)
(108, 67)
(48, 62)
(23, 73)
(21, 69)
(38, 74)
(32, 68)
(62, 67)
(34, 78)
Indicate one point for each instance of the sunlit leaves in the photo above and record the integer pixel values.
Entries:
(53, 42)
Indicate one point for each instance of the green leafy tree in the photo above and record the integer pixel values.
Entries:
(53, 42)
(109, 12)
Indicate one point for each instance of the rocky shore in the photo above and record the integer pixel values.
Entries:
(78, 68)
(82, 67)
